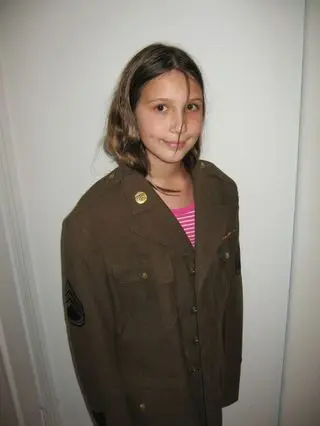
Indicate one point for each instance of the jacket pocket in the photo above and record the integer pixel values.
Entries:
(227, 258)
(144, 290)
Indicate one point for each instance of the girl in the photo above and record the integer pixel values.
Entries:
(151, 261)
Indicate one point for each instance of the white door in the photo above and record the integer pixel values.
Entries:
(19, 401)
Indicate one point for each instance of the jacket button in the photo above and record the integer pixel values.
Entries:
(196, 340)
(195, 370)
(226, 255)
(194, 309)
(142, 407)
(193, 270)
(144, 275)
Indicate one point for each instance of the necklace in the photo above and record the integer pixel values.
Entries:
(166, 191)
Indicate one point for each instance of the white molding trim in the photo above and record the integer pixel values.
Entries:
(24, 277)
(4, 354)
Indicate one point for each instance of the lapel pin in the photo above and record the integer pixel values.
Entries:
(225, 237)
(141, 197)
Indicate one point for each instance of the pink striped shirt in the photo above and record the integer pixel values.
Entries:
(186, 217)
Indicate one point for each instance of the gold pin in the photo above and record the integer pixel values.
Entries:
(141, 197)
(225, 237)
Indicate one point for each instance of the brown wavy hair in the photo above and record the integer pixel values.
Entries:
(121, 141)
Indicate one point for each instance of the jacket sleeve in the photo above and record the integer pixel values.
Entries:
(90, 329)
(233, 324)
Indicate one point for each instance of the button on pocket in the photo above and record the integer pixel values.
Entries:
(226, 255)
(142, 407)
(226, 264)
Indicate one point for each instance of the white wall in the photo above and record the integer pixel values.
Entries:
(301, 388)
(60, 61)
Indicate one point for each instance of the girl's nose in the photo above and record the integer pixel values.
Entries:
(178, 122)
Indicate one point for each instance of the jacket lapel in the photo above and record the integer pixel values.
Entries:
(150, 217)
(211, 219)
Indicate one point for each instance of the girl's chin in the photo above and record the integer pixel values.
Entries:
(167, 158)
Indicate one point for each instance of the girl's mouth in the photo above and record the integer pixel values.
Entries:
(175, 145)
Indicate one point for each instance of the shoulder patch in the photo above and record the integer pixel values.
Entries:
(73, 306)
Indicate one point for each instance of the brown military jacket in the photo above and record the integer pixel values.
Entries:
(154, 325)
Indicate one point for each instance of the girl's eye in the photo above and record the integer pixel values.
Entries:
(161, 108)
(192, 107)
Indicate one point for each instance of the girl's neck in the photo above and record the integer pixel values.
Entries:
(167, 173)
(173, 184)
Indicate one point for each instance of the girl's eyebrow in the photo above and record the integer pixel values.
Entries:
(171, 100)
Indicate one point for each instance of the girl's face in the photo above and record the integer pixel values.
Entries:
(169, 116)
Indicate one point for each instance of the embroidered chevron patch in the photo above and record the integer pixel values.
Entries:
(74, 307)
